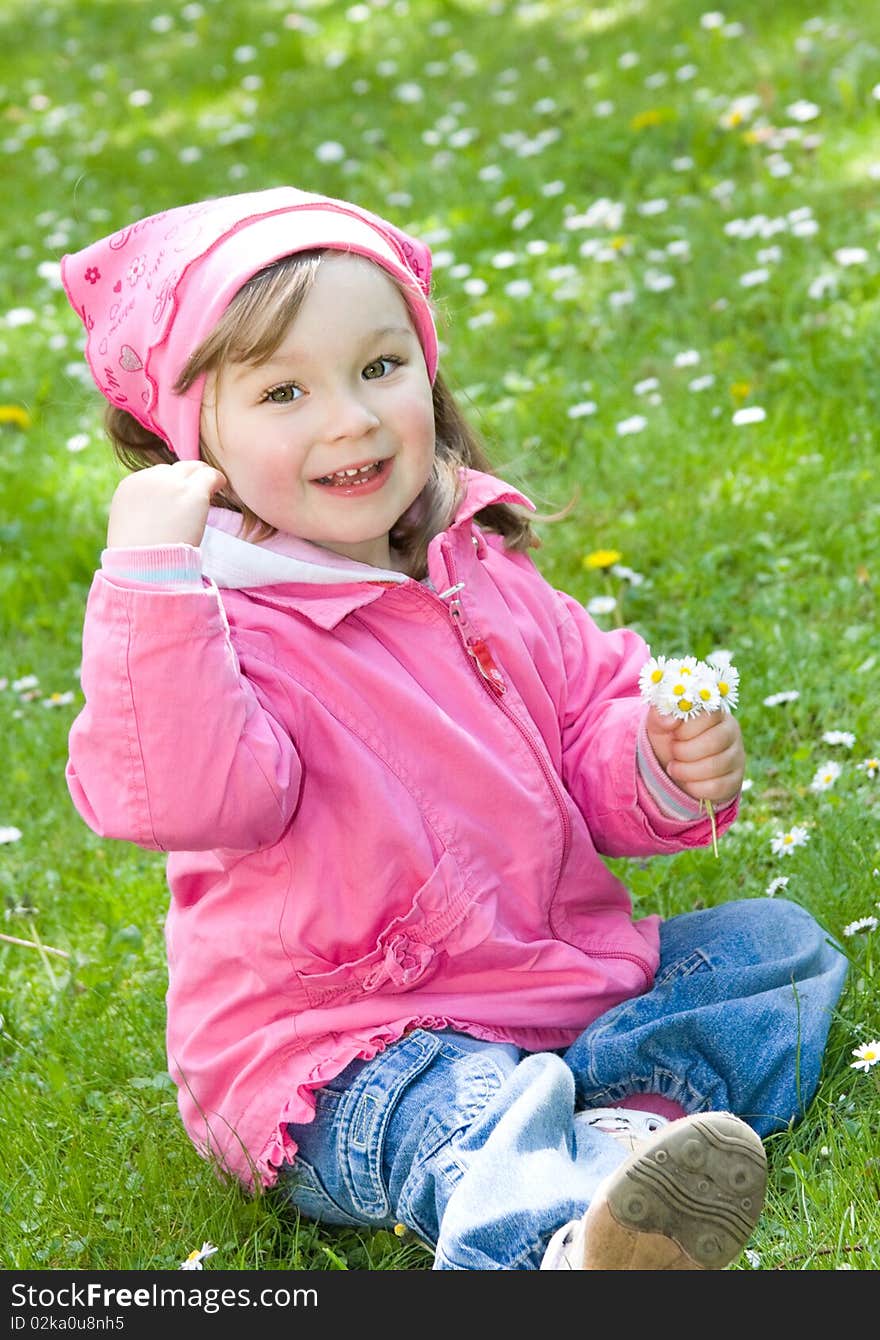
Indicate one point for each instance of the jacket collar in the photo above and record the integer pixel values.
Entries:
(325, 587)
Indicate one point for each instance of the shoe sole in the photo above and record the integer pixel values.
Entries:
(688, 1199)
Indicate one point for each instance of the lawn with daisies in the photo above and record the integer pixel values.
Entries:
(656, 232)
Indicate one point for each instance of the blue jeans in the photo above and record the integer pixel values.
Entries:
(477, 1146)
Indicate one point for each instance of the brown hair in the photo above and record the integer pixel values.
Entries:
(249, 331)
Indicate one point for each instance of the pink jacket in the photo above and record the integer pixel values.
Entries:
(386, 806)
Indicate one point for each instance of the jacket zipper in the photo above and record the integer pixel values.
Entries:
(480, 653)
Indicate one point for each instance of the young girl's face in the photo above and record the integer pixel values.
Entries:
(332, 439)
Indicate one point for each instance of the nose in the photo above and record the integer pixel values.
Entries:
(349, 416)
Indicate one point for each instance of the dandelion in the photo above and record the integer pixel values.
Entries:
(195, 1258)
(780, 882)
(825, 777)
(867, 1055)
(783, 844)
(844, 737)
(602, 559)
(863, 924)
(16, 415)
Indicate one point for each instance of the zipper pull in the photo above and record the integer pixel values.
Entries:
(479, 649)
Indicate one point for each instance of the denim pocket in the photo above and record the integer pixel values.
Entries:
(697, 961)
(301, 1187)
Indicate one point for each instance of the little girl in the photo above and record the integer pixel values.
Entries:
(386, 759)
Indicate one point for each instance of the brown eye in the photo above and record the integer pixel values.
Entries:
(380, 367)
(284, 394)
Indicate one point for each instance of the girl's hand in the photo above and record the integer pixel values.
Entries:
(704, 756)
(163, 504)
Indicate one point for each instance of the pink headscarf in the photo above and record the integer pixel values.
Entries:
(149, 294)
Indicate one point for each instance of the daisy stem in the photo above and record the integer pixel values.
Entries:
(43, 950)
(710, 811)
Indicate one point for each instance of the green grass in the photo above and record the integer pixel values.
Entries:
(760, 538)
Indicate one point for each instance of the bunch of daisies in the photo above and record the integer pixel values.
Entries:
(682, 686)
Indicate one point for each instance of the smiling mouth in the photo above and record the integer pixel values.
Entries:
(352, 477)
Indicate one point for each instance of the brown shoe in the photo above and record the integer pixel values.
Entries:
(688, 1198)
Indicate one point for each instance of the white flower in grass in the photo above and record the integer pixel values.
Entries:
(331, 151)
(195, 1258)
(9, 835)
(786, 696)
(844, 737)
(851, 256)
(634, 424)
(825, 777)
(601, 605)
(754, 277)
(803, 110)
(751, 414)
(869, 766)
(780, 882)
(867, 1055)
(582, 409)
(783, 844)
(863, 924)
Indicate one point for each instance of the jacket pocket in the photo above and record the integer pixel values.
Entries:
(405, 951)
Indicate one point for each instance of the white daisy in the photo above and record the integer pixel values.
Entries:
(726, 678)
(783, 844)
(780, 882)
(844, 737)
(651, 676)
(863, 924)
(867, 1055)
(195, 1258)
(786, 696)
(825, 777)
(750, 414)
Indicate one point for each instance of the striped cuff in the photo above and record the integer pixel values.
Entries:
(177, 565)
(671, 801)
